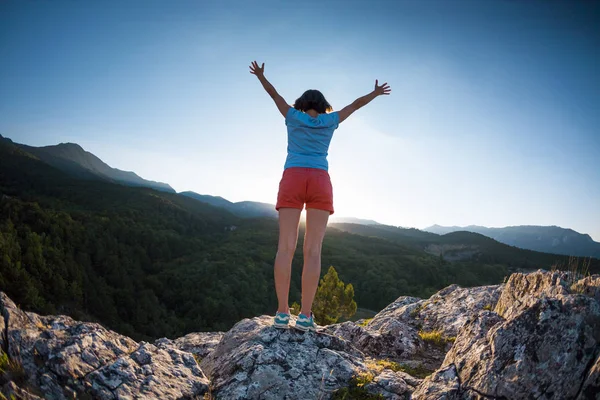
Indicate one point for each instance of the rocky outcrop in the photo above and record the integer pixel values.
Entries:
(588, 286)
(63, 358)
(389, 337)
(524, 290)
(255, 360)
(537, 336)
(543, 343)
(200, 344)
(396, 333)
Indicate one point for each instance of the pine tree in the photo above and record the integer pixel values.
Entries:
(333, 300)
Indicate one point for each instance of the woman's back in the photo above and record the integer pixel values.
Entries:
(309, 138)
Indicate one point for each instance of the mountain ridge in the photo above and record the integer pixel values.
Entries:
(75, 160)
(547, 239)
(245, 209)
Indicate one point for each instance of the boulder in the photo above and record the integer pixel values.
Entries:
(545, 346)
(63, 358)
(443, 384)
(393, 340)
(522, 290)
(148, 373)
(450, 308)
(394, 332)
(255, 360)
(588, 286)
(201, 344)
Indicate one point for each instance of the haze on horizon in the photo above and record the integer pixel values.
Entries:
(494, 117)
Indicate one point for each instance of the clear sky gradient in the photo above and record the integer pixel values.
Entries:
(494, 117)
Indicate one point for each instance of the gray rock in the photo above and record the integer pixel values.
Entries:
(443, 384)
(11, 391)
(201, 344)
(149, 372)
(64, 358)
(546, 347)
(255, 360)
(588, 286)
(390, 385)
(541, 341)
(392, 339)
(450, 308)
(523, 290)
(394, 332)
(591, 386)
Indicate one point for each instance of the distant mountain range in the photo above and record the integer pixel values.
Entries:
(246, 209)
(547, 239)
(73, 159)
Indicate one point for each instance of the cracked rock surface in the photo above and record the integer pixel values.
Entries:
(544, 344)
(63, 358)
(394, 332)
(255, 360)
(201, 344)
(535, 337)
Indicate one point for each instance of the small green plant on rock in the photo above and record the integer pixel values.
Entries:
(488, 307)
(387, 364)
(364, 322)
(295, 308)
(417, 371)
(577, 272)
(10, 370)
(415, 312)
(356, 390)
(435, 337)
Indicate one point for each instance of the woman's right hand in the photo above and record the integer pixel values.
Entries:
(383, 89)
(256, 70)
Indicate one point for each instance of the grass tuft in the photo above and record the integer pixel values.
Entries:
(414, 313)
(436, 337)
(365, 322)
(11, 370)
(576, 269)
(417, 371)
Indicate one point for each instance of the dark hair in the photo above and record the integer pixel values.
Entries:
(312, 99)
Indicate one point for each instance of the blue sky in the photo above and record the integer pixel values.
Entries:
(494, 118)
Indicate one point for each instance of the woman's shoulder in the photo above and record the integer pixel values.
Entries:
(325, 120)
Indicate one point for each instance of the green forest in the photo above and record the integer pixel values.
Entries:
(150, 264)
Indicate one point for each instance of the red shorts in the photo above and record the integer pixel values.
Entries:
(310, 186)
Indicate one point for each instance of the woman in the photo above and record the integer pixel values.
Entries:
(305, 181)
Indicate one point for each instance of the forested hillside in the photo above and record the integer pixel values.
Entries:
(151, 264)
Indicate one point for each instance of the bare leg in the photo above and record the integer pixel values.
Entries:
(288, 238)
(316, 224)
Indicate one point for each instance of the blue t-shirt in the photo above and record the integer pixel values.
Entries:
(309, 138)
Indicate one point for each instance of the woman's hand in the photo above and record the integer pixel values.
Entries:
(379, 90)
(256, 70)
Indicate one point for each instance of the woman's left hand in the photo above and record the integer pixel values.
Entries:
(256, 70)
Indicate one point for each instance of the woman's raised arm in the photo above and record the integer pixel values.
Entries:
(379, 90)
(280, 102)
